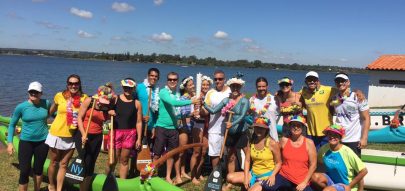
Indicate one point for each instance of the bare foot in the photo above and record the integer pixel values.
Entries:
(201, 178)
(169, 180)
(185, 175)
(51, 188)
(195, 181)
(177, 181)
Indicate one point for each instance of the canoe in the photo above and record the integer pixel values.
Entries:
(155, 184)
(386, 170)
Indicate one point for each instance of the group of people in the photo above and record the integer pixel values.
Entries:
(175, 118)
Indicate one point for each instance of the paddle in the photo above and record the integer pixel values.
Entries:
(214, 181)
(110, 183)
(75, 170)
(144, 156)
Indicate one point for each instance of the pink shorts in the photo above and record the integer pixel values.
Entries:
(124, 138)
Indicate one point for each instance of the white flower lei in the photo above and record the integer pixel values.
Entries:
(154, 102)
(235, 80)
(184, 82)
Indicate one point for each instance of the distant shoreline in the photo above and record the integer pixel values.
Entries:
(173, 60)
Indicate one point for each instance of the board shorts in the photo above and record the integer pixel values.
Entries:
(165, 138)
(237, 140)
(124, 138)
(60, 143)
(215, 141)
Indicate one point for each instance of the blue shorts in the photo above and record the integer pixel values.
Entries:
(337, 186)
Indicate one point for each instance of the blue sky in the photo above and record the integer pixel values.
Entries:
(344, 32)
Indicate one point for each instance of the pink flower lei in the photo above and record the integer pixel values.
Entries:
(265, 107)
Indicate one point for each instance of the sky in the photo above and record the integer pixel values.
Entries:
(344, 33)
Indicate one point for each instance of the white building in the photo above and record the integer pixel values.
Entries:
(387, 81)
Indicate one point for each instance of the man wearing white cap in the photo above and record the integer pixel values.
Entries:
(351, 113)
(315, 99)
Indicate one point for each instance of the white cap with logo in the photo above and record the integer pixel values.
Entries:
(35, 86)
(312, 73)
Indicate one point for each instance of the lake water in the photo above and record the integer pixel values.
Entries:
(18, 71)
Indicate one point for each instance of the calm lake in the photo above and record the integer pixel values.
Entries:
(18, 71)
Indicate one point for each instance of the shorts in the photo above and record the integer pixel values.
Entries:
(199, 125)
(124, 138)
(354, 147)
(337, 186)
(215, 141)
(60, 143)
(168, 138)
(237, 140)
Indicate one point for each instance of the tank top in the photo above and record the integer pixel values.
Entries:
(263, 161)
(126, 114)
(295, 162)
(96, 124)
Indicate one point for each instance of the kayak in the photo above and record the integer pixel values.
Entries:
(154, 184)
(386, 170)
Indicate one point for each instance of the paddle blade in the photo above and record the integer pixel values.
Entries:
(75, 171)
(143, 158)
(214, 181)
(110, 183)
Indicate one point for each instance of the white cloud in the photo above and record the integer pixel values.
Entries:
(247, 40)
(221, 35)
(13, 15)
(122, 7)
(254, 49)
(343, 60)
(162, 37)
(158, 2)
(81, 13)
(84, 34)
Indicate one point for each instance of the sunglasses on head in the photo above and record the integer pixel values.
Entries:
(172, 79)
(73, 83)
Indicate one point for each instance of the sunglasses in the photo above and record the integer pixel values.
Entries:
(33, 92)
(218, 79)
(284, 84)
(73, 83)
(311, 79)
(340, 80)
(172, 79)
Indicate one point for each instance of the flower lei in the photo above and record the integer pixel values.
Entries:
(292, 109)
(265, 107)
(228, 107)
(149, 170)
(154, 102)
(207, 78)
(184, 82)
(71, 115)
(339, 99)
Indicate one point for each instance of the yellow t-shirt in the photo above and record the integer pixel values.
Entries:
(263, 160)
(317, 105)
(59, 126)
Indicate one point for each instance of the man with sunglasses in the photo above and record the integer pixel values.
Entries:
(315, 98)
(166, 131)
(216, 125)
(351, 113)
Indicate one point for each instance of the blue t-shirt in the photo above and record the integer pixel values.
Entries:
(34, 124)
(342, 165)
(143, 96)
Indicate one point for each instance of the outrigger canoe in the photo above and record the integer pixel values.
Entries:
(154, 184)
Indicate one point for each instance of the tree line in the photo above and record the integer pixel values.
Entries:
(177, 59)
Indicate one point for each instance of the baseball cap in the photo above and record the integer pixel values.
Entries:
(312, 73)
(35, 86)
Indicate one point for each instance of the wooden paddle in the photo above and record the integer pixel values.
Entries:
(214, 181)
(110, 183)
(144, 157)
(75, 170)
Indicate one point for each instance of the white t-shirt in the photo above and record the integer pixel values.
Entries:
(271, 113)
(348, 115)
(213, 98)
